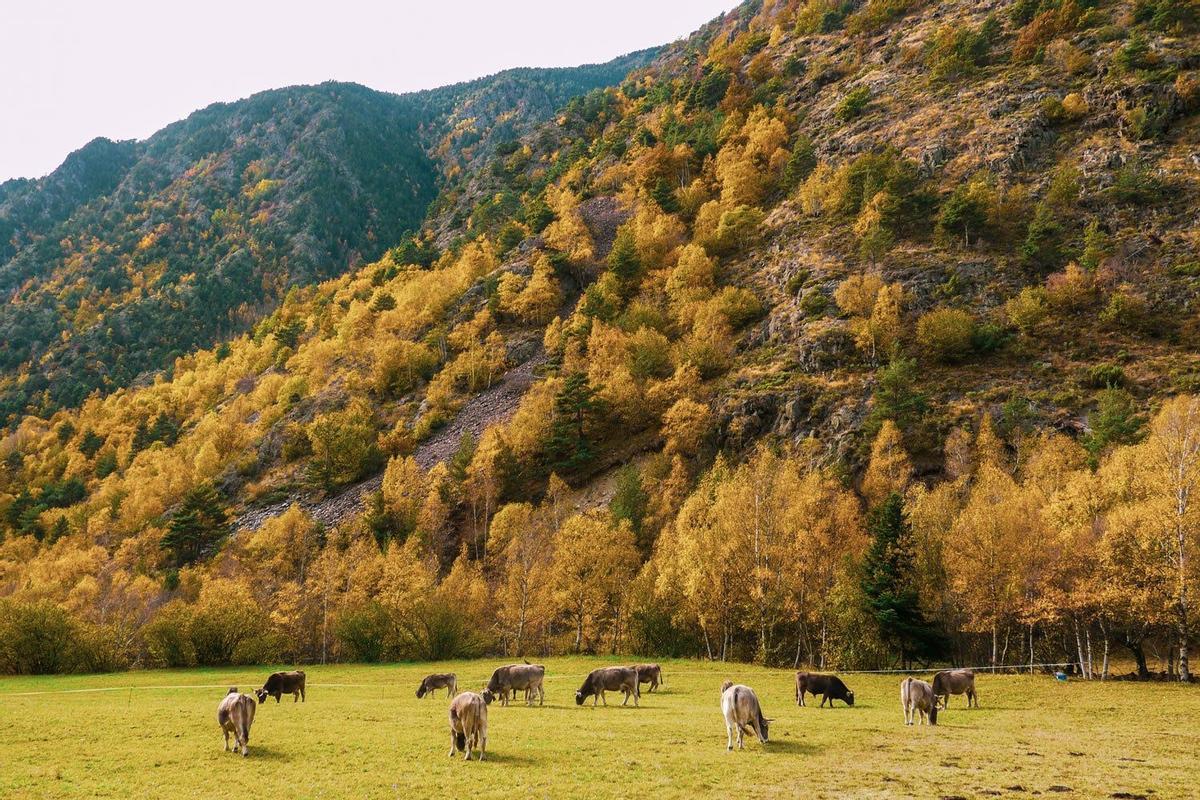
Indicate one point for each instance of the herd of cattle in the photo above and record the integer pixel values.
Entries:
(468, 710)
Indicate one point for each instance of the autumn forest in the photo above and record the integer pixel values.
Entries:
(849, 333)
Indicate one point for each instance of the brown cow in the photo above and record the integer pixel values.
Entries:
(439, 680)
(740, 707)
(514, 677)
(955, 681)
(468, 724)
(917, 698)
(609, 679)
(235, 715)
(281, 683)
(830, 687)
(651, 674)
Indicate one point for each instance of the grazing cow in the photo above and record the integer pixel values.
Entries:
(468, 724)
(235, 715)
(651, 674)
(439, 680)
(955, 681)
(281, 683)
(515, 677)
(609, 679)
(742, 712)
(917, 698)
(830, 687)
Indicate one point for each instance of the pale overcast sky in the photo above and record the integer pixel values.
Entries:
(71, 70)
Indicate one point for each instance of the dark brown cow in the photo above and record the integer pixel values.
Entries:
(651, 674)
(609, 679)
(955, 681)
(830, 687)
(468, 724)
(281, 683)
(439, 680)
(235, 715)
(515, 677)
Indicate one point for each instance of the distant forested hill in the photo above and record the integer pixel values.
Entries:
(134, 253)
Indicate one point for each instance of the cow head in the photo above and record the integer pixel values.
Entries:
(421, 690)
(933, 713)
(764, 723)
(487, 696)
(580, 696)
(261, 694)
(849, 697)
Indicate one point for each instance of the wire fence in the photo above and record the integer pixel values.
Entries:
(550, 676)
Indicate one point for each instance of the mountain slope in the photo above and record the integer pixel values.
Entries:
(892, 270)
(134, 253)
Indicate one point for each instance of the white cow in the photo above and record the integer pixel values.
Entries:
(740, 706)
(917, 698)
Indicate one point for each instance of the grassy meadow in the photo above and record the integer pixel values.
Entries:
(363, 734)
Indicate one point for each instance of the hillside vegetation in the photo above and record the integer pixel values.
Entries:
(864, 334)
(134, 253)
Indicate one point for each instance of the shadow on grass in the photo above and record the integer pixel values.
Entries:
(788, 746)
(501, 758)
(262, 753)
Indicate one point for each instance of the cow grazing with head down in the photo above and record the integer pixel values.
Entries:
(515, 677)
(830, 687)
(739, 705)
(281, 683)
(651, 674)
(235, 715)
(439, 680)
(468, 724)
(955, 681)
(917, 699)
(609, 679)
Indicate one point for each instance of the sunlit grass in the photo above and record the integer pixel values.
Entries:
(363, 733)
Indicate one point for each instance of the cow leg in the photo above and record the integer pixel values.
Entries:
(467, 756)
(226, 732)
(625, 692)
(741, 738)
(482, 741)
(729, 736)
(453, 743)
(823, 699)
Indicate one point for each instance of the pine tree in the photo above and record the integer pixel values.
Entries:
(199, 525)
(889, 584)
(574, 406)
(623, 258)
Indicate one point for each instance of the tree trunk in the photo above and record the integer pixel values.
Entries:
(1079, 647)
(1139, 658)
(1087, 632)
